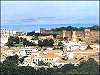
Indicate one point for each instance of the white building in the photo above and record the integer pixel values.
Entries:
(70, 55)
(27, 51)
(5, 35)
(26, 37)
(73, 45)
(45, 59)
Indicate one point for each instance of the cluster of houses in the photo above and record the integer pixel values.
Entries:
(86, 35)
(54, 57)
(74, 51)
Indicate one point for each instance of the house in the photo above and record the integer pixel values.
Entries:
(27, 51)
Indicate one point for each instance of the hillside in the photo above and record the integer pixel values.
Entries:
(70, 28)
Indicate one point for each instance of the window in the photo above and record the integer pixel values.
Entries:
(52, 58)
(47, 59)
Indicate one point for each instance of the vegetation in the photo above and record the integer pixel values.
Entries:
(11, 60)
(88, 67)
(95, 27)
(60, 43)
(46, 42)
(27, 43)
(31, 33)
(10, 67)
(35, 38)
(70, 28)
(14, 41)
(40, 63)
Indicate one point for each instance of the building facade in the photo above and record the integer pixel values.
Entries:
(5, 34)
(67, 34)
(86, 35)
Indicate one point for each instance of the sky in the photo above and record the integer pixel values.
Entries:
(32, 15)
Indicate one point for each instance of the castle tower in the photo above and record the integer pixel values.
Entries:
(74, 36)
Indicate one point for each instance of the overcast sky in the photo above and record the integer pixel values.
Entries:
(24, 14)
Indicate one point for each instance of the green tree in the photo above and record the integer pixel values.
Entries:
(40, 43)
(25, 70)
(10, 43)
(67, 67)
(16, 40)
(11, 60)
(45, 42)
(25, 43)
(60, 43)
(50, 42)
(40, 63)
(41, 71)
(35, 38)
(88, 67)
(8, 67)
(31, 33)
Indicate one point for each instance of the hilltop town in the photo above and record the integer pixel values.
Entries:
(50, 37)
(50, 48)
